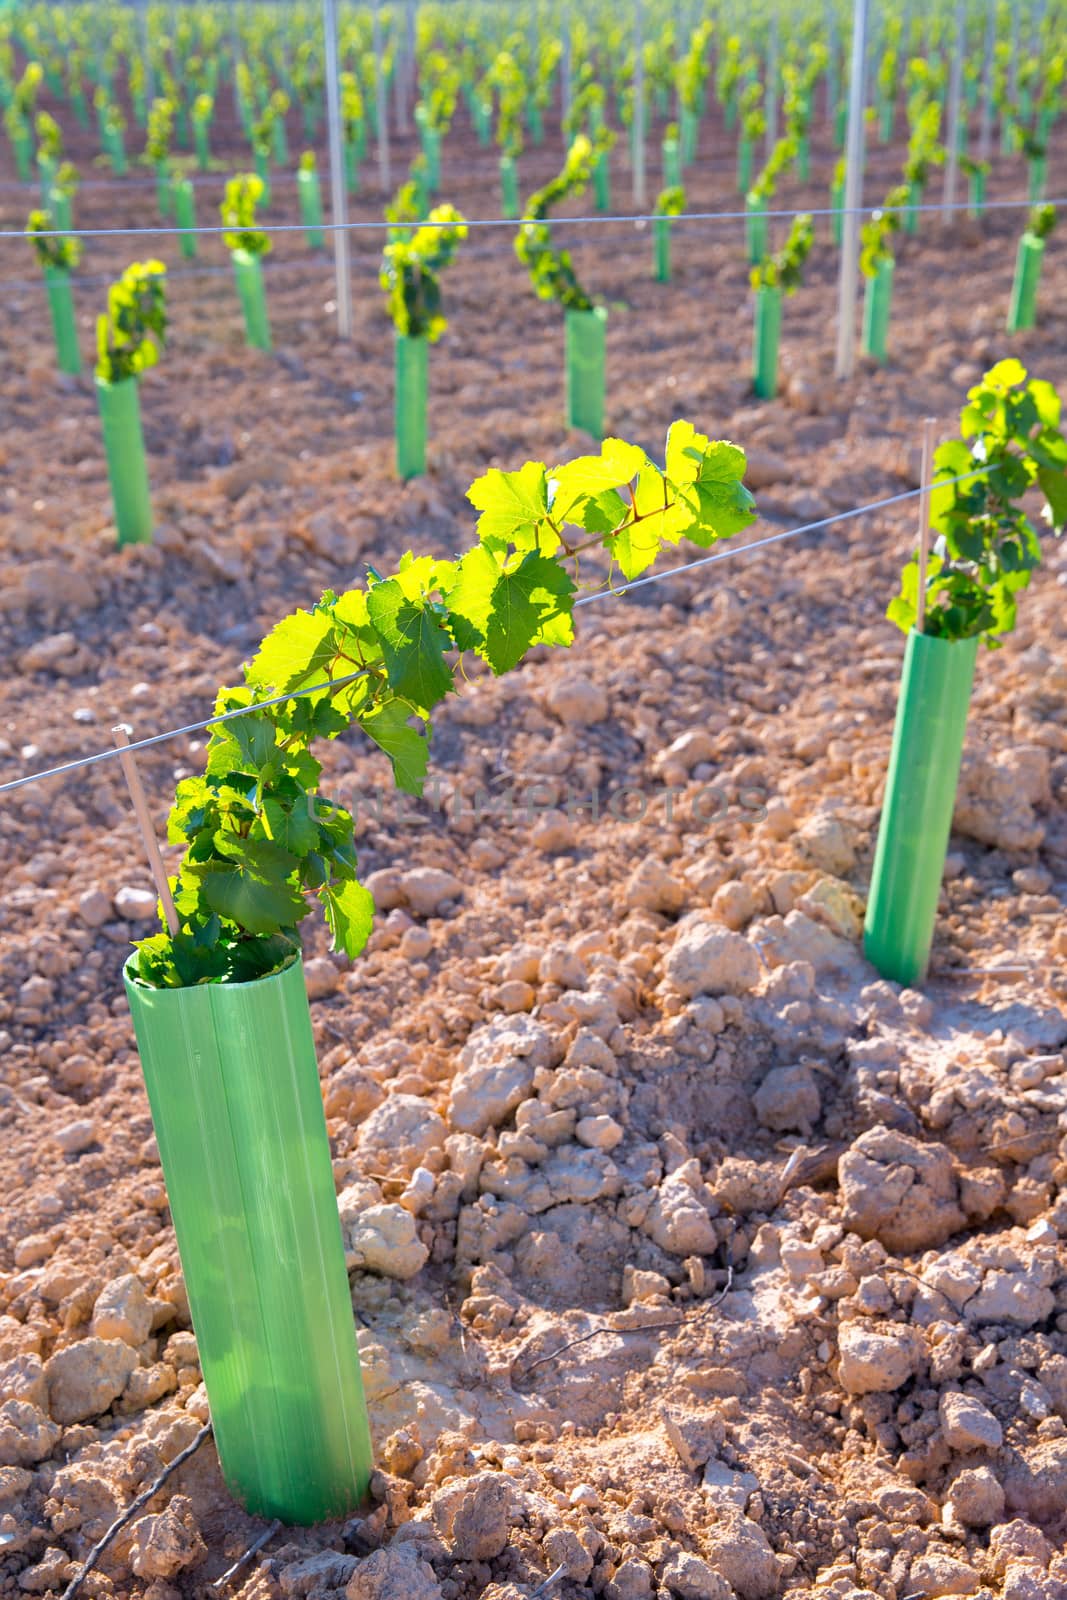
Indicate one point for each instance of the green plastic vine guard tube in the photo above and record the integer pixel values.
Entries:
(482, 122)
(280, 143)
(1022, 310)
(690, 129)
(768, 328)
(885, 121)
(185, 215)
(744, 164)
(351, 157)
(1037, 168)
(23, 156)
(431, 144)
(837, 200)
(840, 124)
(877, 298)
(509, 187)
(976, 193)
(911, 211)
(804, 158)
(248, 270)
(163, 188)
(201, 133)
(81, 108)
(64, 327)
(262, 165)
(46, 172)
(59, 205)
(920, 794)
(310, 197)
(535, 122)
(116, 151)
(412, 357)
(602, 181)
(234, 1090)
(661, 232)
(585, 344)
(755, 229)
(127, 469)
(672, 171)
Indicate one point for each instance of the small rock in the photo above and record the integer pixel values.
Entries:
(599, 1133)
(498, 1064)
(877, 1360)
(632, 1581)
(57, 653)
(577, 700)
(322, 977)
(690, 1578)
(967, 1424)
(167, 1542)
(382, 1239)
(76, 1136)
(941, 1574)
(723, 1485)
(650, 887)
(427, 889)
(84, 1379)
(327, 1570)
(399, 1135)
(94, 908)
(788, 1100)
(695, 1435)
(707, 958)
(563, 1548)
(26, 1434)
(477, 1525)
(738, 1550)
(22, 1378)
(823, 842)
(385, 889)
(135, 905)
(734, 904)
(900, 1191)
(976, 1499)
(678, 1219)
(50, 1573)
(553, 833)
(122, 1311)
(1035, 1480)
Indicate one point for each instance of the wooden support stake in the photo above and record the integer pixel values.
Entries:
(924, 522)
(121, 735)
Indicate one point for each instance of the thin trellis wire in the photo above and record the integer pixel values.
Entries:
(617, 589)
(166, 231)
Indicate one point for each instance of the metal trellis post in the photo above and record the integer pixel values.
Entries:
(338, 199)
(850, 222)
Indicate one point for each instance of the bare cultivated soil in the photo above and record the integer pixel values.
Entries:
(702, 1262)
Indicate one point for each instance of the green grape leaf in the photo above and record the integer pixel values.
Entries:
(512, 609)
(349, 909)
(1054, 487)
(387, 725)
(413, 644)
(514, 507)
(296, 652)
(291, 827)
(255, 903)
(586, 477)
